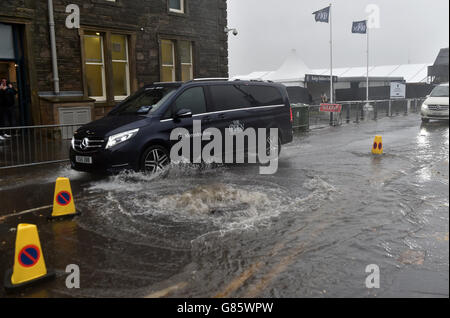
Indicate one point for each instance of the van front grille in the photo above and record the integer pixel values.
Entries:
(89, 145)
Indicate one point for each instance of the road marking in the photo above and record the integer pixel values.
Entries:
(254, 268)
(2, 218)
(25, 212)
(255, 289)
(241, 279)
(167, 291)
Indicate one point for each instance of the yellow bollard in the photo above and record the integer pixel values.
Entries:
(29, 265)
(63, 203)
(377, 148)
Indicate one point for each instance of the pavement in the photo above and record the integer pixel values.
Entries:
(310, 230)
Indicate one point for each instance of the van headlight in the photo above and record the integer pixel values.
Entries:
(72, 142)
(120, 138)
(424, 107)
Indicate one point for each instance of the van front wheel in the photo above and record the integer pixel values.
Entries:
(155, 159)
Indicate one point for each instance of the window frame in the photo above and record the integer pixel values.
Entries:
(102, 48)
(182, 6)
(127, 70)
(109, 102)
(174, 60)
(175, 40)
(191, 64)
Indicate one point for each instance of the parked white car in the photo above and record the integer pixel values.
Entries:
(436, 104)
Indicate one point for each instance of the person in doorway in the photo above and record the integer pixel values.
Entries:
(7, 103)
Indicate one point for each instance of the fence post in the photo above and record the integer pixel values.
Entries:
(389, 112)
(375, 111)
(348, 112)
(357, 113)
(408, 105)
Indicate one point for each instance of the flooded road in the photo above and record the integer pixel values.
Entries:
(310, 230)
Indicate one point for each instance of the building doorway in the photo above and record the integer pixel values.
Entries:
(12, 67)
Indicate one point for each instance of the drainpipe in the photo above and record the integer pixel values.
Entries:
(51, 23)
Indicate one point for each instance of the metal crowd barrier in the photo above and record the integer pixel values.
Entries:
(34, 145)
(310, 117)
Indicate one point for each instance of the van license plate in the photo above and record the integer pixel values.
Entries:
(83, 159)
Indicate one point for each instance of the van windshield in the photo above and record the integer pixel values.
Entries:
(440, 91)
(144, 102)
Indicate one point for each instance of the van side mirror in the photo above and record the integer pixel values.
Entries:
(183, 113)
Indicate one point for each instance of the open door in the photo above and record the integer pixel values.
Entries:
(12, 67)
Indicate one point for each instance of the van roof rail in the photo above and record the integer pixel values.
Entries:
(211, 79)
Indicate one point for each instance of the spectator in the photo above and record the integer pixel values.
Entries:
(324, 98)
(7, 103)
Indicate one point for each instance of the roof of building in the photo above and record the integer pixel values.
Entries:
(442, 58)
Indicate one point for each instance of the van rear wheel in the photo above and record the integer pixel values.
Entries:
(155, 159)
(273, 144)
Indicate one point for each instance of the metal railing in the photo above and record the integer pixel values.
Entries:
(356, 111)
(34, 145)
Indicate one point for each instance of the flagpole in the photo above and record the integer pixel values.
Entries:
(331, 66)
(367, 79)
(331, 58)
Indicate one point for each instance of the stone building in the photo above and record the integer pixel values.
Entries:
(119, 46)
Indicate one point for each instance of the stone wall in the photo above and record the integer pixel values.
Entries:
(204, 21)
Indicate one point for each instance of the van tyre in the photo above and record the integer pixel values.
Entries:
(425, 120)
(155, 159)
(270, 143)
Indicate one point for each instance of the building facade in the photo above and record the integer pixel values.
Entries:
(438, 72)
(118, 47)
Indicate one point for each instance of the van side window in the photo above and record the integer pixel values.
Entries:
(192, 99)
(228, 97)
(263, 95)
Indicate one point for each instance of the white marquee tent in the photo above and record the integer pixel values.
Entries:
(293, 71)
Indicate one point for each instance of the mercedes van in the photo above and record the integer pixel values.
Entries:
(436, 104)
(135, 135)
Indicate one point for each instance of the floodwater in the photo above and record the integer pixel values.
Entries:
(310, 230)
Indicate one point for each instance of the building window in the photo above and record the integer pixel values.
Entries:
(107, 75)
(168, 61)
(176, 6)
(95, 65)
(176, 61)
(186, 61)
(121, 73)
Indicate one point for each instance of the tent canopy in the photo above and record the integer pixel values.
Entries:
(294, 69)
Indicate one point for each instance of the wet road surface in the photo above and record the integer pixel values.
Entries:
(310, 230)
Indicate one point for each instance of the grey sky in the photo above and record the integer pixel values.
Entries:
(410, 31)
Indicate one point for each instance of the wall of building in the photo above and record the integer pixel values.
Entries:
(148, 20)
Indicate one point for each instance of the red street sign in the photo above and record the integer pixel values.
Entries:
(331, 108)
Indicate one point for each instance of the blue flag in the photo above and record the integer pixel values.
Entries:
(322, 15)
(359, 27)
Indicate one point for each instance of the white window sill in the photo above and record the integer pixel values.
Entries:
(120, 98)
(176, 11)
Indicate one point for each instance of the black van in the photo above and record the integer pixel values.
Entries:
(136, 134)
